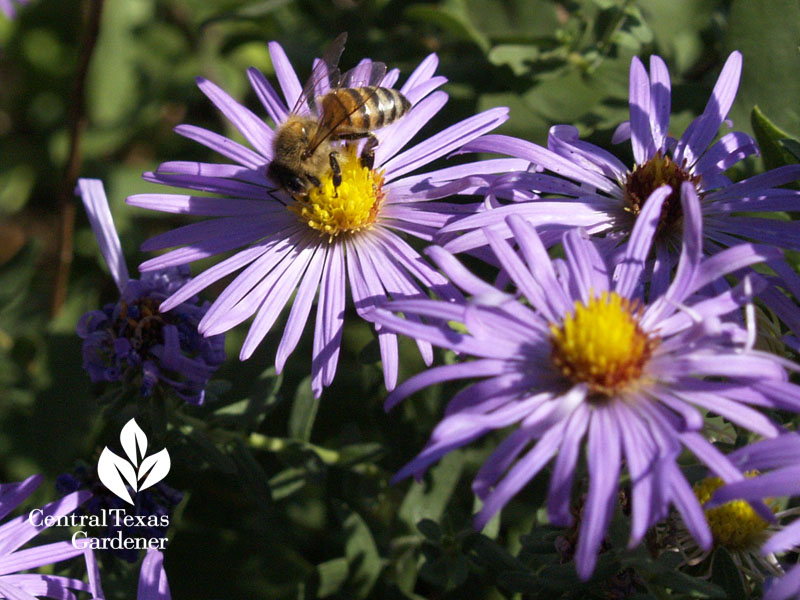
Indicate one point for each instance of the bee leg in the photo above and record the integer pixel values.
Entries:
(336, 171)
(368, 152)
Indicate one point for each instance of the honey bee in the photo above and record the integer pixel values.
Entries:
(343, 107)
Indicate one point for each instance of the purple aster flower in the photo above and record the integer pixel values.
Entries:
(153, 584)
(779, 456)
(7, 7)
(15, 533)
(573, 183)
(153, 506)
(132, 340)
(594, 357)
(350, 233)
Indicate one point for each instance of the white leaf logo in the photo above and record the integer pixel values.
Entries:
(115, 471)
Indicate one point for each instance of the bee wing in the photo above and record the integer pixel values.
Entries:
(362, 75)
(325, 74)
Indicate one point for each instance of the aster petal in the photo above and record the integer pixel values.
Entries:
(774, 453)
(242, 229)
(47, 586)
(14, 494)
(588, 268)
(641, 454)
(783, 234)
(472, 369)
(16, 532)
(203, 206)
(212, 185)
(153, 584)
(424, 71)
(215, 273)
(693, 143)
(461, 428)
(731, 260)
(13, 593)
(639, 94)
(249, 125)
(218, 318)
(287, 78)
(628, 274)
(688, 506)
(398, 134)
(603, 458)
(224, 146)
(96, 204)
(725, 153)
(735, 412)
(38, 556)
(269, 98)
(660, 102)
(330, 320)
(756, 183)
(211, 170)
(565, 141)
(462, 277)
(276, 299)
(444, 141)
(561, 479)
(488, 394)
(518, 476)
(301, 308)
(786, 587)
(782, 482)
(543, 157)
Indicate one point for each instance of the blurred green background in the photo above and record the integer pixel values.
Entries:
(313, 515)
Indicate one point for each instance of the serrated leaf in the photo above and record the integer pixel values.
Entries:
(304, 411)
(770, 140)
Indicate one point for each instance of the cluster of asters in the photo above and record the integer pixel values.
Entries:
(616, 352)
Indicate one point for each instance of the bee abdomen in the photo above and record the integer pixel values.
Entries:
(368, 108)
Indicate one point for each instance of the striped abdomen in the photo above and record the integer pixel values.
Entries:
(362, 109)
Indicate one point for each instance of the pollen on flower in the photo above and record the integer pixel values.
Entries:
(647, 178)
(348, 208)
(601, 344)
(734, 525)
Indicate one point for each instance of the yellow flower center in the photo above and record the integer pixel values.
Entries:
(601, 344)
(647, 178)
(734, 525)
(349, 207)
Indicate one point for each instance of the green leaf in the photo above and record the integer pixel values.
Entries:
(726, 575)
(304, 411)
(770, 140)
(792, 146)
(771, 60)
(287, 482)
(428, 501)
(330, 576)
(362, 555)
(453, 17)
(682, 583)
(252, 476)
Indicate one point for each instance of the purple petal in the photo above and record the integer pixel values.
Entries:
(330, 320)
(603, 459)
(628, 273)
(224, 146)
(287, 78)
(639, 92)
(249, 125)
(565, 141)
(14, 494)
(153, 584)
(660, 101)
(558, 496)
(269, 98)
(692, 145)
(202, 206)
(96, 204)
